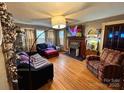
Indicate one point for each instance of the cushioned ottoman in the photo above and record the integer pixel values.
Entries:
(51, 53)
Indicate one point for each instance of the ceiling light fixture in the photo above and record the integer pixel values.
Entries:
(58, 22)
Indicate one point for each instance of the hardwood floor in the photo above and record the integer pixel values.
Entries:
(71, 74)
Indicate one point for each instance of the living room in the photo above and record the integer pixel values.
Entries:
(62, 45)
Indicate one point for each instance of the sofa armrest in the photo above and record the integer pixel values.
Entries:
(111, 71)
(38, 48)
(92, 57)
(53, 46)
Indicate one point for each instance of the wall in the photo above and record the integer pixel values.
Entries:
(92, 25)
(3, 78)
(99, 24)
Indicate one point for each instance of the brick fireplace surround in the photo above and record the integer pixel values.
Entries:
(81, 42)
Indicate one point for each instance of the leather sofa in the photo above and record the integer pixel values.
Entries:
(107, 66)
(47, 51)
(37, 76)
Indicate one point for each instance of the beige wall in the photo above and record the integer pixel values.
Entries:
(93, 26)
(99, 24)
(3, 78)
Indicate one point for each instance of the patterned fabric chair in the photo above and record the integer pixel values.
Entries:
(107, 66)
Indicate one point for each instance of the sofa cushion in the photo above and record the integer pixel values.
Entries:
(49, 45)
(23, 53)
(105, 49)
(42, 46)
(52, 51)
(50, 48)
(23, 57)
(113, 54)
(104, 54)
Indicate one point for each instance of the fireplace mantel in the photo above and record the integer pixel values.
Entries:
(76, 38)
(81, 41)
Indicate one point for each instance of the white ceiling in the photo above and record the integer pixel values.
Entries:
(40, 13)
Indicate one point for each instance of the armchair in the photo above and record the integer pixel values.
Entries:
(47, 51)
(107, 66)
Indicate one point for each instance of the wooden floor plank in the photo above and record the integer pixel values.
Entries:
(71, 74)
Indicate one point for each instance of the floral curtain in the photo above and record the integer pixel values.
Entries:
(50, 37)
(29, 39)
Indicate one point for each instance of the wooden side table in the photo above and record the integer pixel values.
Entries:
(91, 52)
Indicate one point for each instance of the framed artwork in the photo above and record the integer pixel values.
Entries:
(75, 30)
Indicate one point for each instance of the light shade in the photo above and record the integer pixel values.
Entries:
(58, 22)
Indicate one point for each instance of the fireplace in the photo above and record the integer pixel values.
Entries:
(74, 48)
(77, 46)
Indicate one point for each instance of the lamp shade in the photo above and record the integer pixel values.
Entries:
(58, 22)
(1, 35)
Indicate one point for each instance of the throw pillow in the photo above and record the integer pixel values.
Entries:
(23, 58)
(23, 53)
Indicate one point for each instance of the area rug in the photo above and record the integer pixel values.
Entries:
(75, 57)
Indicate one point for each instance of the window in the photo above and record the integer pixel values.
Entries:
(41, 38)
(50, 36)
(61, 37)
